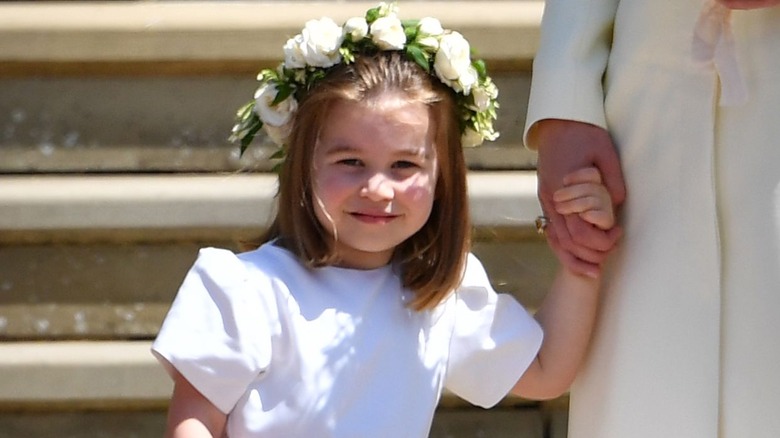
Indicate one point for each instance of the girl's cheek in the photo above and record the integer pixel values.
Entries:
(420, 187)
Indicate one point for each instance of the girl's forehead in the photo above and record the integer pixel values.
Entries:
(385, 100)
(391, 123)
(391, 106)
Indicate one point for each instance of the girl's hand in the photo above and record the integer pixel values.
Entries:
(749, 4)
(584, 194)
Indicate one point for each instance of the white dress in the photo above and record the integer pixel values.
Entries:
(687, 343)
(333, 352)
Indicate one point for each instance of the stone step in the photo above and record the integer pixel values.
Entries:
(83, 31)
(174, 124)
(89, 263)
(142, 423)
(153, 86)
(112, 207)
(73, 246)
(72, 383)
(98, 374)
(123, 291)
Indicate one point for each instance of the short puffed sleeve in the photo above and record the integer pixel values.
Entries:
(217, 333)
(494, 340)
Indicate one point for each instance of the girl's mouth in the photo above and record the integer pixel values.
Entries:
(373, 218)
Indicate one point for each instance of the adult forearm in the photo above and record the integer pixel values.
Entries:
(575, 42)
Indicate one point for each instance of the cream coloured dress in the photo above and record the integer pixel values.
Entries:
(688, 343)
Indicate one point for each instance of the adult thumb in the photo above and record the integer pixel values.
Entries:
(612, 175)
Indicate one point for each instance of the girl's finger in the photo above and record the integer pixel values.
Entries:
(582, 190)
(601, 219)
(590, 209)
(584, 175)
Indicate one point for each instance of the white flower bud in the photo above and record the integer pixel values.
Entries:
(293, 56)
(467, 80)
(429, 42)
(278, 134)
(388, 33)
(388, 9)
(356, 28)
(481, 99)
(270, 114)
(471, 138)
(430, 26)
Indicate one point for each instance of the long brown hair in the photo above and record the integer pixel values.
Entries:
(433, 259)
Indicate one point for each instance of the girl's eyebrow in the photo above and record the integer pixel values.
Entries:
(405, 152)
(340, 148)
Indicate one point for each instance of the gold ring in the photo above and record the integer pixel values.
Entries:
(541, 222)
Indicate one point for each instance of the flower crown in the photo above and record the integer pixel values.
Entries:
(323, 44)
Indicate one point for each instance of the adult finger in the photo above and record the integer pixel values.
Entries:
(570, 261)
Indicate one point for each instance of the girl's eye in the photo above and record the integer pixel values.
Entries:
(350, 162)
(405, 164)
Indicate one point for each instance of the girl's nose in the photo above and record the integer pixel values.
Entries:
(378, 188)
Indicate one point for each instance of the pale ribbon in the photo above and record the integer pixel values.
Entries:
(713, 45)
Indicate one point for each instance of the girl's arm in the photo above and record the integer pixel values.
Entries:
(191, 415)
(568, 312)
(749, 4)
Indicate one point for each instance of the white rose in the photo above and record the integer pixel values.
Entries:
(270, 114)
(483, 95)
(278, 134)
(388, 33)
(430, 26)
(428, 32)
(453, 57)
(481, 99)
(387, 9)
(467, 80)
(471, 138)
(293, 56)
(321, 41)
(356, 28)
(429, 42)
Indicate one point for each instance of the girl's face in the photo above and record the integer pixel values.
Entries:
(375, 171)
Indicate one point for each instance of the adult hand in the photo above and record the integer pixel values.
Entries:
(749, 4)
(565, 146)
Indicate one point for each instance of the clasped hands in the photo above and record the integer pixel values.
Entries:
(576, 158)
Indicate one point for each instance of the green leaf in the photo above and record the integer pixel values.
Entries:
(250, 135)
(372, 14)
(410, 29)
(347, 55)
(245, 111)
(480, 67)
(417, 54)
(283, 91)
(278, 154)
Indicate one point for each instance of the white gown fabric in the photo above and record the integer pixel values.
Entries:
(331, 352)
(687, 342)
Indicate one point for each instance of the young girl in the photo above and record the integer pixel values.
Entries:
(363, 303)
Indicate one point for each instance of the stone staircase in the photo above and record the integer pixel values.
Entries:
(115, 169)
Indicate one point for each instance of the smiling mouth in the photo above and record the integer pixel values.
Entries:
(373, 218)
